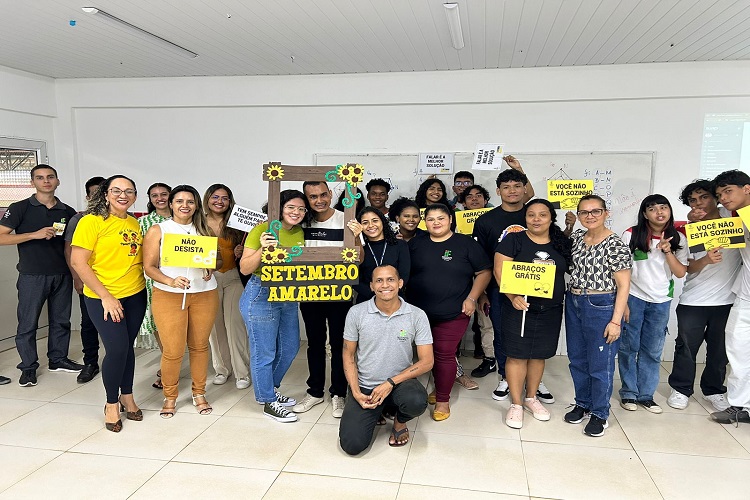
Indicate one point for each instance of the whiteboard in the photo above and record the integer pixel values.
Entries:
(623, 179)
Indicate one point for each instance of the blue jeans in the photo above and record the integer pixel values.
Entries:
(273, 331)
(641, 346)
(496, 306)
(592, 360)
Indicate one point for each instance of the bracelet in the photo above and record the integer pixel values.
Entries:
(616, 324)
(471, 299)
(390, 380)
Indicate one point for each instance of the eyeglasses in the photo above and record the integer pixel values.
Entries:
(597, 212)
(118, 191)
(292, 208)
(220, 198)
(463, 183)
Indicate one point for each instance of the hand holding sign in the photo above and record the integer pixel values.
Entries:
(519, 302)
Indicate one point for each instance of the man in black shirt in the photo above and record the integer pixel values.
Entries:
(43, 276)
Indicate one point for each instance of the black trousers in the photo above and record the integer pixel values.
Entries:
(89, 336)
(118, 366)
(696, 324)
(33, 291)
(323, 318)
(358, 424)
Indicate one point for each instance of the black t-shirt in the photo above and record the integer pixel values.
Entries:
(442, 274)
(45, 257)
(491, 227)
(396, 255)
(520, 247)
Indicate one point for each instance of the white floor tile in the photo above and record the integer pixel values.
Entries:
(328, 488)
(54, 426)
(420, 492)
(16, 463)
(10, 409)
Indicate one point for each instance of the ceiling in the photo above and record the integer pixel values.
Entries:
(283, 37)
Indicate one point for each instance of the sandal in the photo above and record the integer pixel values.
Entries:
(132, 415)
(203, 408)
(168, 411)
(381, 420)
(158, 384)
(396, 435)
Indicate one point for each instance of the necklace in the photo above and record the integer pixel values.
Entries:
(382, 256)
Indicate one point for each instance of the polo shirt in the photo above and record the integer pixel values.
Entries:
(45, 257)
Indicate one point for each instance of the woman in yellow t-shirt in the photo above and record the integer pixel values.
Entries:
(106, 254)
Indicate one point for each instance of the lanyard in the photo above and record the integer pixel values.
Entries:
(373, 254)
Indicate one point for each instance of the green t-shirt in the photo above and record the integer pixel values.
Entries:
(287, 239)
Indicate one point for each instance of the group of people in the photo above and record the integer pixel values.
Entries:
(416, 286)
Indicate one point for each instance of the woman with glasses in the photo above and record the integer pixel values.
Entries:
(185, 300)
(158, 211)
(229, 349)
(106, 255)
(594, 307)
(272, 327)
(659, 252)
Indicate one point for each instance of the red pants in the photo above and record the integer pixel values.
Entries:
(446, 335)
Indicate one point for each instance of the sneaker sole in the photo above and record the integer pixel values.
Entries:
(717, 408)
(499, 398)
(303, 409)
(27, 384)
(282, 419)
(677, 406)
(656, 410)
(577, 421)
(514, 425)
(629, 406)
(64, 370)
(606, 424)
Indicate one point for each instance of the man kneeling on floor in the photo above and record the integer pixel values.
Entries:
(378, 363)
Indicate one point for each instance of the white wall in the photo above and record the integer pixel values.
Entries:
(27, 109)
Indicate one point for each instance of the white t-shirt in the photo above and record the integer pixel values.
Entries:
(329, 233)
(651, 278)
(195, 275)
(712, 286)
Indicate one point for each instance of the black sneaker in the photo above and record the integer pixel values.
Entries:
(651, 406)
(576, 415)
(731, 415)
(279, 413)
(543, 394)
(88, 372)
(28, 378)
(65, 365)
(595, 427)
(487, 366)
(501, 391)
(4, 380)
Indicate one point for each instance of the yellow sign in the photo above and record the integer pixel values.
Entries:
(707, 235)
(465, 219)
(565, 194)
(744, 213)
(310, 282)
(188, 250)
(525, 278)
(421, 224)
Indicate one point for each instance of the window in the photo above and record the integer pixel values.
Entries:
(17, 158)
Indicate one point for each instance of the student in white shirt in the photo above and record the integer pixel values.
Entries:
(659, 252)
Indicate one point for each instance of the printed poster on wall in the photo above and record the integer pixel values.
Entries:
(435, 163)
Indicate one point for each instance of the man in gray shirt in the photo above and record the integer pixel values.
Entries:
(378, 363)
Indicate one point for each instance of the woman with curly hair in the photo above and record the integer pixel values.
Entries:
(531, 325)
(432, 191)
(381, 248)
(405, 213)
(106, 255)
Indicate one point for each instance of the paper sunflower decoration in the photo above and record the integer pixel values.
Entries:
(349, 255)
(274, 172)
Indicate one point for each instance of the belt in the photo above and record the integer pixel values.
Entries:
(588, 291)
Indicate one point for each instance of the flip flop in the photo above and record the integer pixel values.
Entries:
(397, 434)
(381, 420)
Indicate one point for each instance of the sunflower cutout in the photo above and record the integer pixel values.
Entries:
(354, 179)
(358, 170)
(280, 255)
(267, 257)
(274, 172)
(344, 171)
(349, 255)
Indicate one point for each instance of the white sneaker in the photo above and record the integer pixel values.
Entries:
(277, 412)
(514, 417)
(677, 400)
(533, 406)
(306, 404)
(543, 394)
(719, 401)
(337, 406)
(242, 383)
(501, 392)
(220, 379)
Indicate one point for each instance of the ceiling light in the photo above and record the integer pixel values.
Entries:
(139, 32)
(454, 25)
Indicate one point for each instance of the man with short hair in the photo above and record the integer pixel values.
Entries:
(461, 180)
(732, 189)
(378, 361)
(43, 275)
(89, 334)
(326, 229)
(377, 194)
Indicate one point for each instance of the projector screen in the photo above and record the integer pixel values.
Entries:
(726, 143)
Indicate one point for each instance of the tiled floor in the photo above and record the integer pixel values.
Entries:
(53, 444)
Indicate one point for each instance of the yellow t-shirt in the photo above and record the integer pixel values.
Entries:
(291, 238)
(116, 254)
